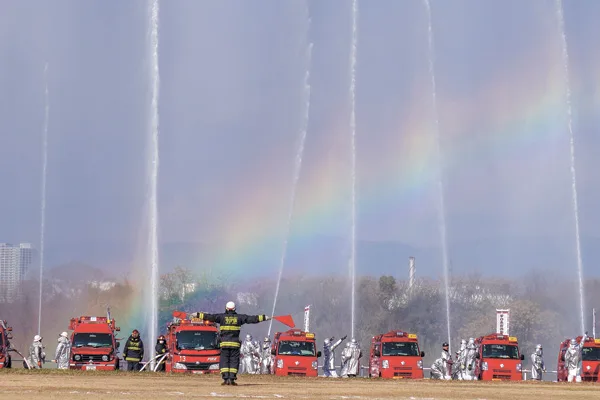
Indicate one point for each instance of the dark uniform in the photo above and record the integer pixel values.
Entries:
(134, 351)
(161, 349)
(230, 324)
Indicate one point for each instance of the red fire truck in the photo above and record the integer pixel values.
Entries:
(93, 344)
(295, 353)
(498, 358)
(5, 336)
(396, 355)
(590, 360)
(193, 347)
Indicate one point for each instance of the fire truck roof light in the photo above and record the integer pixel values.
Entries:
(597, 341)
(500, 336)
(399, 333)
(412, 335)
(297, 333)
(310, 335)
(512, 338)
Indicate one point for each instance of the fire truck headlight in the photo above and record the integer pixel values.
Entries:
(77, 357)
(179, 366)
(588, 367)
(314, 365)
(213, 367)
(104, 358)
(420, 364)
(519, 366)
(484, 366)
(385, 364)
(279, 363)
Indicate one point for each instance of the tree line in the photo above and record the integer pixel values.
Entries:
(544, 309)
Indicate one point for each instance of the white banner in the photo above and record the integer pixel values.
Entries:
(306, 319)
(502, 322)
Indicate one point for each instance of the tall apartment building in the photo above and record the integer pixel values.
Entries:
(14, 262)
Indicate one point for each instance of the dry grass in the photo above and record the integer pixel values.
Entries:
(66, 385)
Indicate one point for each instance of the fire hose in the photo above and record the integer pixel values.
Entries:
(159, 361)
(23, 357)
(151, 360)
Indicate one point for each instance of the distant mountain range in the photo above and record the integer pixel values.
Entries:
(329, 255)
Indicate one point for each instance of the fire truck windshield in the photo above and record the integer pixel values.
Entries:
(196, 340)
(295, 348)
(590, 354)
(400, 349)
(92, 340)
(500, 351)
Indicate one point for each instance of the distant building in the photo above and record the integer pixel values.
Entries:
(102, 286)
(187, 288)
(14, 263)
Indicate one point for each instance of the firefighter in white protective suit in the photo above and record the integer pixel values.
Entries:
(63, 351)
(37, 357)
(266, 359)
(353, 364)
(461, 354)
(345, 360)
(329, 356)
(470, 358)
(537, 363)
(441, 368)
(250, 352)
(573, 359)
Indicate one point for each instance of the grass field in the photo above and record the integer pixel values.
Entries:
(65, 385)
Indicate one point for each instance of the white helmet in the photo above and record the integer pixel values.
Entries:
(64, 334)
(249, 337)
(37, 338)
(326, 341)
(353, 341)
(267, 339)
(230, 306)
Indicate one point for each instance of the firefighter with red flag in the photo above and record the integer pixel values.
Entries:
(230, 324)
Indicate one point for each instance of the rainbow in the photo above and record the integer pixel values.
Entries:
(523, 110)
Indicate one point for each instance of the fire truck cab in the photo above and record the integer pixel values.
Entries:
(193, 347)
(396, 355)
(295, 353)
(590, 360)
(5, 336)
(93, 344)
(498, 358)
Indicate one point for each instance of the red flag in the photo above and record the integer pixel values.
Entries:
(286, 320)
(179, 314)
